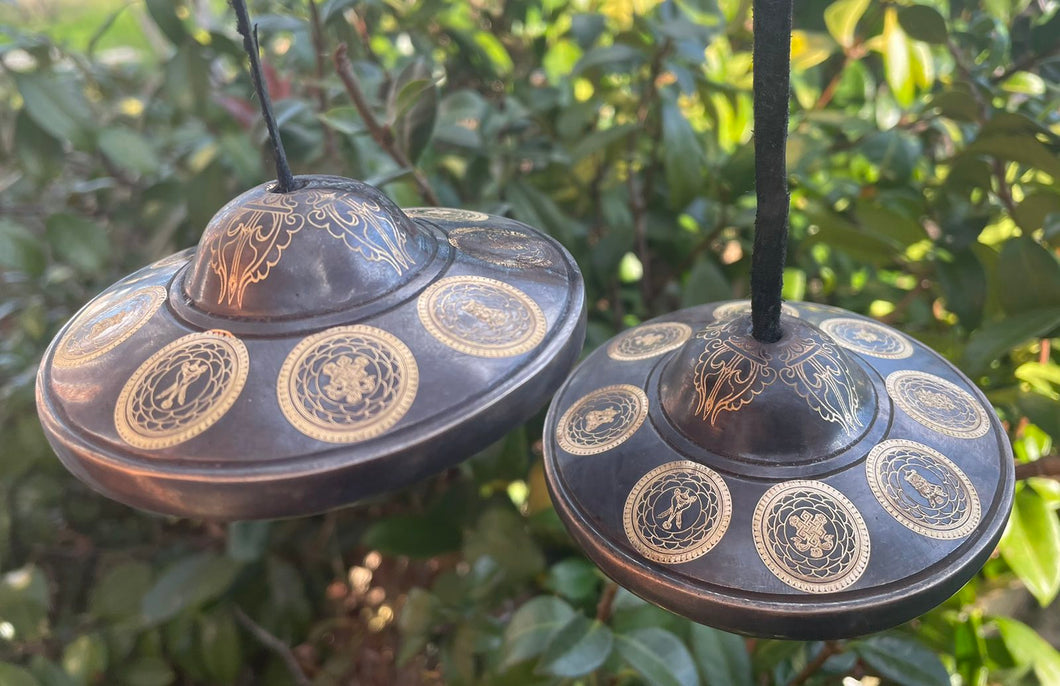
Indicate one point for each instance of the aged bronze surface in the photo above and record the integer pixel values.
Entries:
(317, 347)
(839, 481)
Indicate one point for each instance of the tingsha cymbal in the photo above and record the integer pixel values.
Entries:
(839, 481)
(318, 347)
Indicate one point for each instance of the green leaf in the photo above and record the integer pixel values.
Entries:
(963, 282)
(1031, 545)
(412, 108)
(923, 23)
(495, 51)
(705, 283)
(118, 593)
(85, 658)
(532, 627)
(896, 58)
(77, 241)
(189, 583)
(683, 158)
(659, 656)
(841, 18)
(413, 535)
(147, 671)
(129, 150)
(995, 339)
(20, 250)
(25, 602)
(501, 535)
(1028, 648)
(222, 654)
(577, 649)
(1031, 275)
(248, 541)
(57, 105)
(39, 153)
(13, 675)
(1022, 148)
(902, 660)
(722, 657)
(164, 14)
(574, 578)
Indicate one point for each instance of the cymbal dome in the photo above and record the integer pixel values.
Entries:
(256, 253)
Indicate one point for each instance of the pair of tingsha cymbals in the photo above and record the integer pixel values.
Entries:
(322, 346)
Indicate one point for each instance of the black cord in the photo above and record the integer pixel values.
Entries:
(772, 91)
(284, 179)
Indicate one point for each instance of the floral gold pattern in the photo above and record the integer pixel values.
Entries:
(106, 324)
(602, 420)
(731, 371)
(347, 384)
(868, 338)
(649, 340)
(923, 489)
(938, 404)
(255, 235)
(182, 390)
(503, 247)
(677, 512)
(483, 317)
(449, 214)
(817, 372)
(811, 536)
(744, 307)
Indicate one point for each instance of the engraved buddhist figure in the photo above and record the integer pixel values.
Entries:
(934, 399)
(186, 375)
(348, 379)
(597, 418)
(680, 501)
(490, 316)
(648, 340)
(810, 534)
(933, 493)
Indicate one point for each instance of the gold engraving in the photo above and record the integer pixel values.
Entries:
(255, 235)
(449, 214)
(677, 512)
(938, 404)
(740, 307)
(106, 324)
(181, 390)
(923, 489)
(347, 384)
(483, 317)
(503, 247)
(817, 372)
(811, 536)
(649, 340)
(602, 420)
(731, 371)
(867, 337)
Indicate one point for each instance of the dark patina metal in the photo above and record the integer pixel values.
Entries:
(318, 347)
(839, 481)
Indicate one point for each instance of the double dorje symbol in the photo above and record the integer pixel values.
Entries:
(680, 500)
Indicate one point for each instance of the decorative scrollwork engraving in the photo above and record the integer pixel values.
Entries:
(923, 489)
(867, 337)
(106, 324)
(602, 420)
(449, 214)
(256, 233)
(731, 371)
(181, 390)
(503, 247)
(677, 512)
(483, 317)
(649, 340)
(811, 536)
(744, 307)
(938, 404)
(816, 371)
(347, 384)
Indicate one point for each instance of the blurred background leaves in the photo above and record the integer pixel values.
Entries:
(923, 165)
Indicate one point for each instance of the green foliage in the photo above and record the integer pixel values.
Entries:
(923, 167)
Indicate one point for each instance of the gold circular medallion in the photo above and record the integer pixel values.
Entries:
(482, 317)
(648, 341)
(503, 247)
(182, 390)
(923, 489)
(347, 384)
(449, 214)
(938, 404)
(677, 512)
(107, 323)
(867, 337)
(602, 419)
(811, 536)
(744, 307)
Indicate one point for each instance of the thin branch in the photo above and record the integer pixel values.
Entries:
(320, 51)
(830, 648)
(274, 644)
(1027, 63)
(607, 600)
(381, 134)
(1046, 467)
